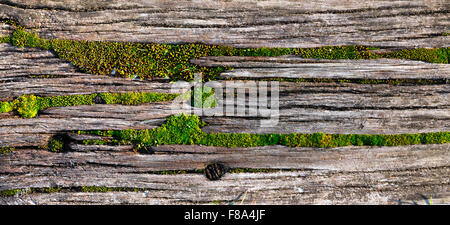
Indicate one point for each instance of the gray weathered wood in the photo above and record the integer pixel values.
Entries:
(296, 67)
(240, 23)
(5, 30)
(19, 65)
(350, 175)
(304, 108)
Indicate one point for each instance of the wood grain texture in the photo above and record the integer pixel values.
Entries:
(303, 108)
(296, 67)
(347, 175)
(350, 175)
(5, 30)
(240, 23)
(40, 72)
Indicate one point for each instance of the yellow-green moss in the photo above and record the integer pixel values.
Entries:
(173, 61)
(186, 129)
(6, 149)
(4, 39)
(29, 105)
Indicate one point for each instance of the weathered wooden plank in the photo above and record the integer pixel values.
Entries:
(303, 108)
(5, 30)
(240, 23)
(40, 72)
(350, 175)
(84, 117)
(299, 120)
(296, 67)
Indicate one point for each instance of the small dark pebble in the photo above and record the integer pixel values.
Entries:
(215, 171)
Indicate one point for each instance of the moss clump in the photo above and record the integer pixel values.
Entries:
(6, 107)
(6, 150)
(11, 192)
(22, 38)
(29, 105)
(5, 39)
(186, 129)
(56, 144)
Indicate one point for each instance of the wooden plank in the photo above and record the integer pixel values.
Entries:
(350, 175)
(303, 108)
(296, 67)
(240, 23)
(84, 117)
(19, 65)
(5, 30)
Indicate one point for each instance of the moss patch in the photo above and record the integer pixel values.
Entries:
(186, 129)
(11, 192)
(6, 107)
(22, 38)
(6, 150)
(28, 105)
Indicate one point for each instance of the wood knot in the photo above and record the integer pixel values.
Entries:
(215, 171)
(98, 100)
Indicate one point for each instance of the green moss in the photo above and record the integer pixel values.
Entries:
(22, 38)
(186, 129)
(4, 39)
(6, 107)
(56, 144)
(135, 98)
(435, 55)
(6, 150)
(173, 61)
(28, 105)
(11, 192)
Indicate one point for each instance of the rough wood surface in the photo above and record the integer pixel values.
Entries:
(5, 30)
(296, 67)
(240, 23)
(21, 68)
(350, 175)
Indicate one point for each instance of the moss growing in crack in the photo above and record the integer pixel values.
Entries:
(56, 144)
(173, 61)
(5, 39)
(203, 97)
(135, 98)
(6, 107)
(11, 192)
(186, 129)
(437, 55)
(28, 105)
(6, 149)
(22, 38)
